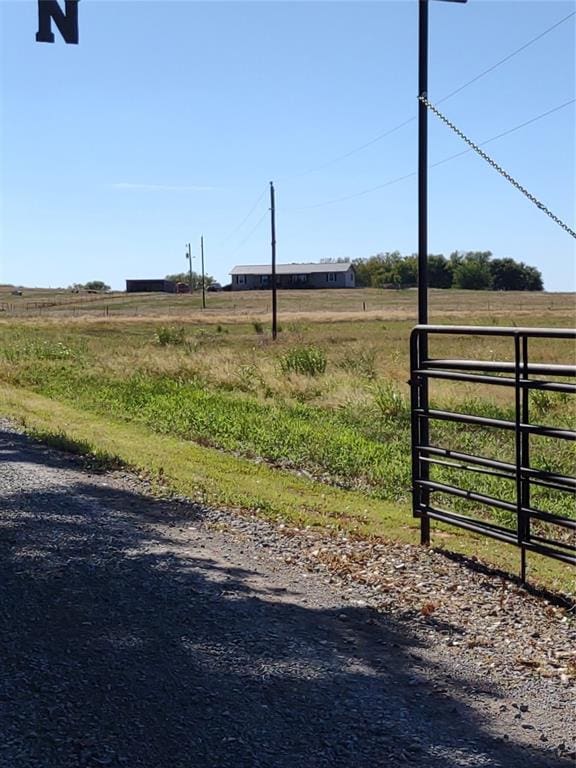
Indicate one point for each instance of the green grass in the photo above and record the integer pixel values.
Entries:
(362, 447)
(328, 399)
(213, 477)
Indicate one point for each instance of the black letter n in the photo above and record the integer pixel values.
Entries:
(67, 22)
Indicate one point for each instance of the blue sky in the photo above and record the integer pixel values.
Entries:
(169, 119)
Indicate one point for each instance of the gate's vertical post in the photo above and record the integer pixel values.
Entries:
(525, 449)
(419, 429)
(518, 439)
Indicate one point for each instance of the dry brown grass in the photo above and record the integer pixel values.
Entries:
(300, 306)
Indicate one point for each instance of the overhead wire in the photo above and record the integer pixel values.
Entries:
(239, 226)
(379, 137)
(249, 235)
(409, 120)
(505, 59)
(354, 151)
(397, 179)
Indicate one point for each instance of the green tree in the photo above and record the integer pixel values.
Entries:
(96, 285)
(472, 271)
(184, 277)
(440, 272)
(510, 275)
(363, 273)
(534, 280)
(406, 272)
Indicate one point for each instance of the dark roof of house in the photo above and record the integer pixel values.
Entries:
(291, 269)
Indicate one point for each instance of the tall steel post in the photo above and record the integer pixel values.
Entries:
(273, 231)
(423, 494)
(423, 164)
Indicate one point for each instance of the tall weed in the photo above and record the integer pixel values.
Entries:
(166, 336)
(308, 361)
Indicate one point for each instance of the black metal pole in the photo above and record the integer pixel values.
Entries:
(273, 230)
(423, 494)
(423, 166)
(203, 280)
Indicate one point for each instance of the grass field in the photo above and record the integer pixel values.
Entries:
(366, 303)
(314, 427)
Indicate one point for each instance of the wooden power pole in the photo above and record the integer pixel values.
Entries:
(273, 230)
(203, 280)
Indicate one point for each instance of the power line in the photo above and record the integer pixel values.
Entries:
(506, 58)
(409, 120)
(434, 165)
(244, 220)
(249, 235)
(369, 143)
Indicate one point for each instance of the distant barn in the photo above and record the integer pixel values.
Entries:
(150, 286)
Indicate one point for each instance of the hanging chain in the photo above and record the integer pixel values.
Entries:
(497, 167)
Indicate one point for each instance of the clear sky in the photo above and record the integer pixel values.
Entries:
(169, 119)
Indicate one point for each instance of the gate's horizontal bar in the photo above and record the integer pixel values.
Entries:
(569, 488)
(535, 369)
(491, 501)
(491, 330)
(477, 526)
(454, 517)
(485, 462)
(468, 468)
(462, 493)
(552, 542)
(550, 552)
(462, 418)
(549, 517)
(499, 381)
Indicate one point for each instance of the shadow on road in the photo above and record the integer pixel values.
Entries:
(119, 648)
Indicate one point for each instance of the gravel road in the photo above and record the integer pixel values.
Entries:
(138, 631)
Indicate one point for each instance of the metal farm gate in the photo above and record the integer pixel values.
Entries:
(520, 473)
(516, 495)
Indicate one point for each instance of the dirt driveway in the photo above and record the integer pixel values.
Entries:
(144, 632)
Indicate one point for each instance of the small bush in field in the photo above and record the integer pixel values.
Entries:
(360, 362)
(390, 401)
(309, 361)
(258, 327)
(165, 336)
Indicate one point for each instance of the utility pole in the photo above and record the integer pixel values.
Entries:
(203, 280)
(273, 230)
(189, 257)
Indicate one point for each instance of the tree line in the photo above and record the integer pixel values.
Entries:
(93, 286)
(473, 270)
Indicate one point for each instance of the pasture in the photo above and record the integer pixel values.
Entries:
(313, 428)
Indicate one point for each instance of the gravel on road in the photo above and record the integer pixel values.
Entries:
(152, 632)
